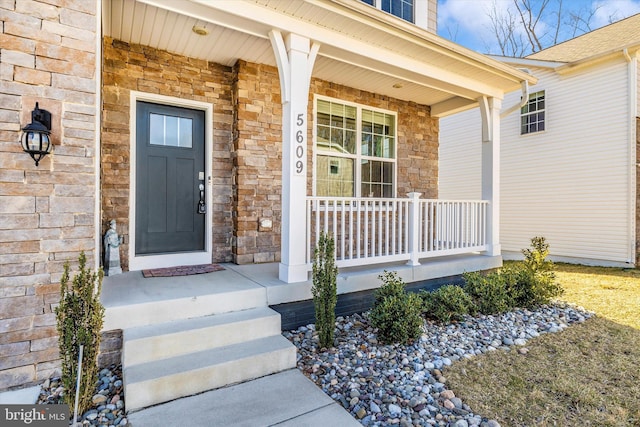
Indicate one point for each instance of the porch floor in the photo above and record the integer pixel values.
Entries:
(125, 295)
(355, 279)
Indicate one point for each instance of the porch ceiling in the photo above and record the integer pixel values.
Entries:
(360, 46)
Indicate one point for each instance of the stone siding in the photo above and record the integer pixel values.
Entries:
(258, 163)
(145, 69)
(47, 55)
(110, 348)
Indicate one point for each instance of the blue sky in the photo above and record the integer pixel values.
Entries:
(467, 22)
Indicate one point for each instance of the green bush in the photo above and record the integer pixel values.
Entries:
(536, 279)
(395, 313)
(324, 289)
(489, 292)
(79, 322)
(447, 303)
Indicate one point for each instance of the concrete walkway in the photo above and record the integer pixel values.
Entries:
(284, 399)
(23, 396)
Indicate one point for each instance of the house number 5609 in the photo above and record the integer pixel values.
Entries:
(299, 146)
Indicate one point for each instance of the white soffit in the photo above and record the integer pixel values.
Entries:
(361, 47)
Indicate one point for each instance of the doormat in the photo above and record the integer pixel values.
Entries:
(183, 270)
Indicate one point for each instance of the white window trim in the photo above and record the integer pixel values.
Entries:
(545, 110)
(138, 262)
(358, 155)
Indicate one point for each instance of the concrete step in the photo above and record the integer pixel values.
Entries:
(176, 304)
(164, 380)
(165, 340)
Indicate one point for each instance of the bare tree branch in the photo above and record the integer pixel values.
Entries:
(529, 26)
(558, 22)
(452, 34)
(580, 21)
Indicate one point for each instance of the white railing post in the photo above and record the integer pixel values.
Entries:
(414, 228)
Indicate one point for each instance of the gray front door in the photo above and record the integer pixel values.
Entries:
(169, 171)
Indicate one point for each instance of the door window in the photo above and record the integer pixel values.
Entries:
(170, 131)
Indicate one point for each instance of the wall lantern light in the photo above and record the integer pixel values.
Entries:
(36, 135)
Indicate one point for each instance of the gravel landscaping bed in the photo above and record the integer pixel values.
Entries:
(403, 384)
(108, 401)
(379, 384)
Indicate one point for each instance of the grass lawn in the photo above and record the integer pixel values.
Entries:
(587, 375)
(613, 293)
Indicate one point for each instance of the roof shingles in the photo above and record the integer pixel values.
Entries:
(613, 36)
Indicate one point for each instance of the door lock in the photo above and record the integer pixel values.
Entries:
(202, 207)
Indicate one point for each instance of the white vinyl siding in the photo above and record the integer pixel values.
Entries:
(638, 83)
(459, 157)
(570, 183)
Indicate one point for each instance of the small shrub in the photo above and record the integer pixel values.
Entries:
(489, 292)
(536, 282)
(395, 312)
(447, 303)
(79, 322)
(324, 289)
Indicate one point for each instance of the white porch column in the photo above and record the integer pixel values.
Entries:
(295, 57)
(490, 111)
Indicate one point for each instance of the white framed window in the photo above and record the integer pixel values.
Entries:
(355, 150)
(400, 8)
(532, 115)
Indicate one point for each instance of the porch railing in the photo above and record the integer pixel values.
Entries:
(371, 231)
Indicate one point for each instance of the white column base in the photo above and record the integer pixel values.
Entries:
(493, 250)
(293, 273)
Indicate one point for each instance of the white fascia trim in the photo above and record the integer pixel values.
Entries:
(516, 62)
(408, 31)
(167, 260)
(619, 52)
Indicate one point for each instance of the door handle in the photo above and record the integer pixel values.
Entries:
(202, 207)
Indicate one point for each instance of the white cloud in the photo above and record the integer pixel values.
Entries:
(608, 11)
(469, 20)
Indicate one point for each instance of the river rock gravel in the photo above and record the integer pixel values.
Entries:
(403, 385)
(107, 402)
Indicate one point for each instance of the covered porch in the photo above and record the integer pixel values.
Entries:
(278, 88)
(343, 49)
